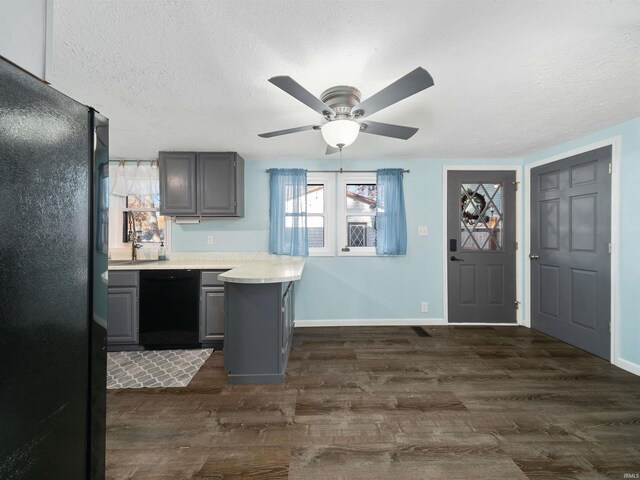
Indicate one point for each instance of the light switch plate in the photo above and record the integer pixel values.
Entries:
(423, 231)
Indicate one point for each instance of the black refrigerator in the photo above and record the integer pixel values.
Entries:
(53, 282)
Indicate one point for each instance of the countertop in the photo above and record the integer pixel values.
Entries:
(241, 268)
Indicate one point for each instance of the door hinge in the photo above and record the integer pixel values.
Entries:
(609, 327)
(516, 245)
(610, 247)
(516, 303)
(610, 168)
(515, 185)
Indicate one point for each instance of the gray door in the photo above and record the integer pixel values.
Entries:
(481, 232)
(570, 262)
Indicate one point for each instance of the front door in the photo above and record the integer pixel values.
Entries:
(481, 233)
(570, 262)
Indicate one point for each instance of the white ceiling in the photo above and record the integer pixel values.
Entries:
(510, 77)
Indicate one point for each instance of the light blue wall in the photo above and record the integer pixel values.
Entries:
(349, 288)
(629, 133)
(370, 287)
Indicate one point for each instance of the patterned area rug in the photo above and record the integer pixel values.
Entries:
(154, 368)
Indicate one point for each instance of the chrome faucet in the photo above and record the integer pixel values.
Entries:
(134, 248)
(131, 237)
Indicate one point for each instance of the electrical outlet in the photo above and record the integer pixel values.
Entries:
(423, 231)
(209, 239)
(424, 307)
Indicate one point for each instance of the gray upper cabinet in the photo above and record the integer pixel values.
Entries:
(221, 184)
(208, 184)
(178, 178)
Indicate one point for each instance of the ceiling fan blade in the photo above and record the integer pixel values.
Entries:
(331, 150)
(287, 131)
(296, 90)
(412, 83)
(389, 130)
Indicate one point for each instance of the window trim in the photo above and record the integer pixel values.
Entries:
(345, 179)
(329, 181)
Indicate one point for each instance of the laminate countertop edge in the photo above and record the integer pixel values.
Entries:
(240, 271)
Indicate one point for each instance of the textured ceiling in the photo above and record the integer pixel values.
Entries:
(510, 77)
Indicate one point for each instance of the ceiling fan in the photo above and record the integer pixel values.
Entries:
(346, 115)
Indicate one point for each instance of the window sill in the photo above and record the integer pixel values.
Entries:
(369, 252)
(321, 253)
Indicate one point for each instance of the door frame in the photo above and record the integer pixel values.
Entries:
(614, 142)
(517, 168)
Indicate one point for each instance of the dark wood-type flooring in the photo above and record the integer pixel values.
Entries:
(387, 403)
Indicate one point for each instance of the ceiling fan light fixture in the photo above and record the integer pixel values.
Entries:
(340, 133)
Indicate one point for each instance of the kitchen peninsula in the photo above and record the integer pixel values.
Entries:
(247, 299)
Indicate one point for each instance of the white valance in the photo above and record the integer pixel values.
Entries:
(134, 179)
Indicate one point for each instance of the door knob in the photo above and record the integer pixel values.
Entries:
(455, 259)
(533, 256)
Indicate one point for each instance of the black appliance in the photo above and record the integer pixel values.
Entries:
(169, 302)
(53, 294)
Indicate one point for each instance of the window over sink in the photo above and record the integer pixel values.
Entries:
(134, 208)
(142, 216)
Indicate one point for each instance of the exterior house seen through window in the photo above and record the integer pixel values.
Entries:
(315, 215)
(354, 214)
(142, 216)
(361, 205)
(357, 208)
(320, 203)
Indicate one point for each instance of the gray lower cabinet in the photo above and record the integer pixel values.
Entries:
(207, 184)
(122, 321)
(258, 329)
(287, 318)
(211, 306)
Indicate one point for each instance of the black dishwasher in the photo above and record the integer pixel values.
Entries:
(169, 302)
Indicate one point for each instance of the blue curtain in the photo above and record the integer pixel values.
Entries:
(288, 212)
(391, 219)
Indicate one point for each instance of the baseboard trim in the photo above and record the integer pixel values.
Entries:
(628, 366)
(391, 322)
(369, 322)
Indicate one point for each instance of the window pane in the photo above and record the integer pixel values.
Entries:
(481, 216)
(294, 201)
(361, 198)
(315, 231)
(361, 231)
(150, 227)
(315, 198)
(143, 201)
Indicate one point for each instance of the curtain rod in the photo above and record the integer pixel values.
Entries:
(341, 171)
(137, 162)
